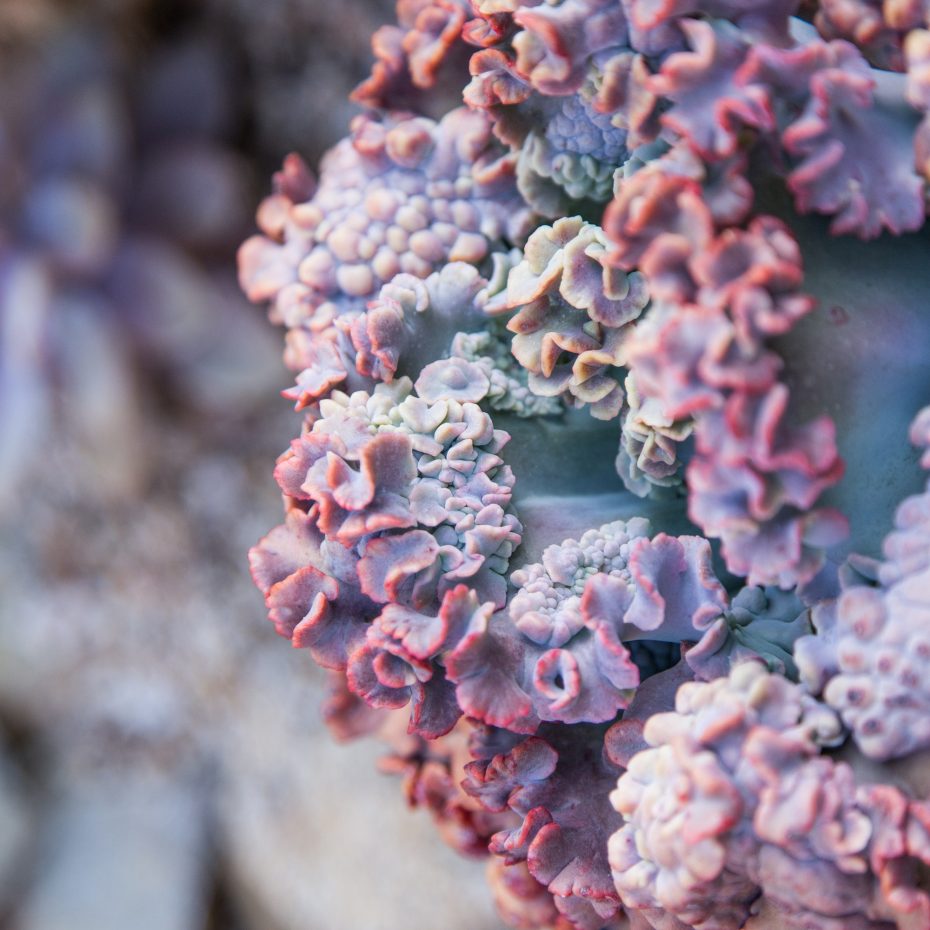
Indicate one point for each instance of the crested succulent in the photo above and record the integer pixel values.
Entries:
(608, 322)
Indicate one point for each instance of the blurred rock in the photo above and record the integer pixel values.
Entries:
(25, 396)
(313, 839)
(17, 824)
(197, 195)
(85, 132)
(138, 417)
(119, 850)
(300, 99)
(188, 89)
(98, 394)
(198, 326)
(73, 222)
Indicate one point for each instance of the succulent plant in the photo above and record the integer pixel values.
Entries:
(608, 322)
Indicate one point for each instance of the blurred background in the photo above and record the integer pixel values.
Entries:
(163, 764)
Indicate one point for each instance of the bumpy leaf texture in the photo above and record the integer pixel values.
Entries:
(604, 417)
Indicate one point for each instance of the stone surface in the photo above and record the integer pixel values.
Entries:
(179, 775)
(122, 850)
(17, 820)
(308, 817)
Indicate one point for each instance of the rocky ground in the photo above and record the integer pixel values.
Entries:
(163, 764)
